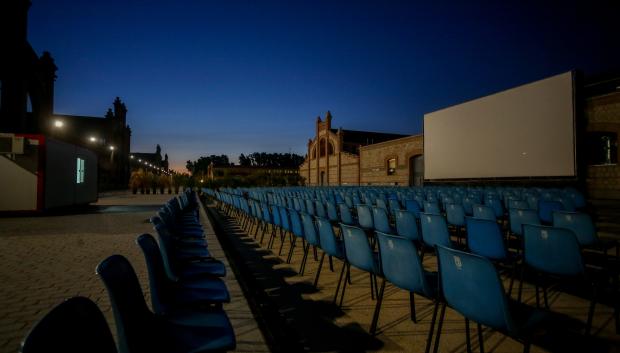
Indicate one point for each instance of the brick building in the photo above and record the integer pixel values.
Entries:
(350, 157)
(345, 157)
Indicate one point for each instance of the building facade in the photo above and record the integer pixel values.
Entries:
(350, 157)
(345, 157)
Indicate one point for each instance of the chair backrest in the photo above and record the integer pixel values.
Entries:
(432, 207)
(484, 238)
(73, 326)
(484, 212)
(546, 209)
(310, 207)
(552, 250)
(455, 214)
(284, 219)
(357, 249)
(394, 205)
(309, 229)
(401, 264)
(364, 217)
(132, 316)
(382, 204)
(580, 223)
(434, 230)
(327, 238)
(296, 226)
(319, 209)
(519, 204)
(470, 285)
(381, 220)
(275, 215)
(518, 218)
(345, 214)
(332, 212)
(158, 282)
(496, 205)
(413, 206)
(166, 248)
(406, 225)
(266, 214)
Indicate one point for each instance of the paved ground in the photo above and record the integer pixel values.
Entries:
(300, 317)
(46, 259)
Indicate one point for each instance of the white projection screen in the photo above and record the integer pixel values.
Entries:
(527, 131)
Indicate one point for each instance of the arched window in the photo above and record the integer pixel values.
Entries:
(313, 153)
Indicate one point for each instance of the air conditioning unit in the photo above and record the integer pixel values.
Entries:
(10, 143)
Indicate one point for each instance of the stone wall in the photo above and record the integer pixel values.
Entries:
(603, 114)
(374, 159)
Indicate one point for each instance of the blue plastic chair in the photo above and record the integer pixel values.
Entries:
(583, 227)
(319, 209)
(434, 230)
(330, 244)
(286, 226)
(413, 206)
(471, 286)
(484, 212)
(297, 231)
(74, 326)
(556, 252)
(401, 266)
(546, 209)
(332, 212)
(139, 330)
(359, 253)
(407, 226)
(170, 295)
(518, 218)
(364, 217)
(345, 214)
(311, 237)
(431, 207)
(381, 220)
(485, 238)
(518, 204)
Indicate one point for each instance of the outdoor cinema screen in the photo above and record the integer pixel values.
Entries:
(527, 131)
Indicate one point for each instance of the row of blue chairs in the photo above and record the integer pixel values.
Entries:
(551, 250)
(186, 296)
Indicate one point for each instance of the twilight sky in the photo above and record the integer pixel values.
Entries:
(206, 77)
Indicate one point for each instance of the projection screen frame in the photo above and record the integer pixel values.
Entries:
(519, 179)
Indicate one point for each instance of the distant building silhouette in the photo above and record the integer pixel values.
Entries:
(150, 161)
(27, 102)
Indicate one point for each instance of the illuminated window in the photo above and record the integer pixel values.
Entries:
(391, 166)
(80, 171)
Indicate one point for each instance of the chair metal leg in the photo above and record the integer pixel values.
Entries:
(412, 305)
(318, 271)
(521, 283)
(290, 251)
(512, 278)
(467, 336)
(441, 316)
(344, 265)
(375, 317)
(372, 287)
(263, 235)
(316, 258)
(591, 309)
(429, 339)
(282, 236)
(331, 264)
(302, 267)
(480, 338)
(349, 274)
(344, 286)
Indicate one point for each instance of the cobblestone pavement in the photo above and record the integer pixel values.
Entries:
(46, 259)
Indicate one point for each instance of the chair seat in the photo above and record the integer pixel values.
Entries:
(197, 332)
